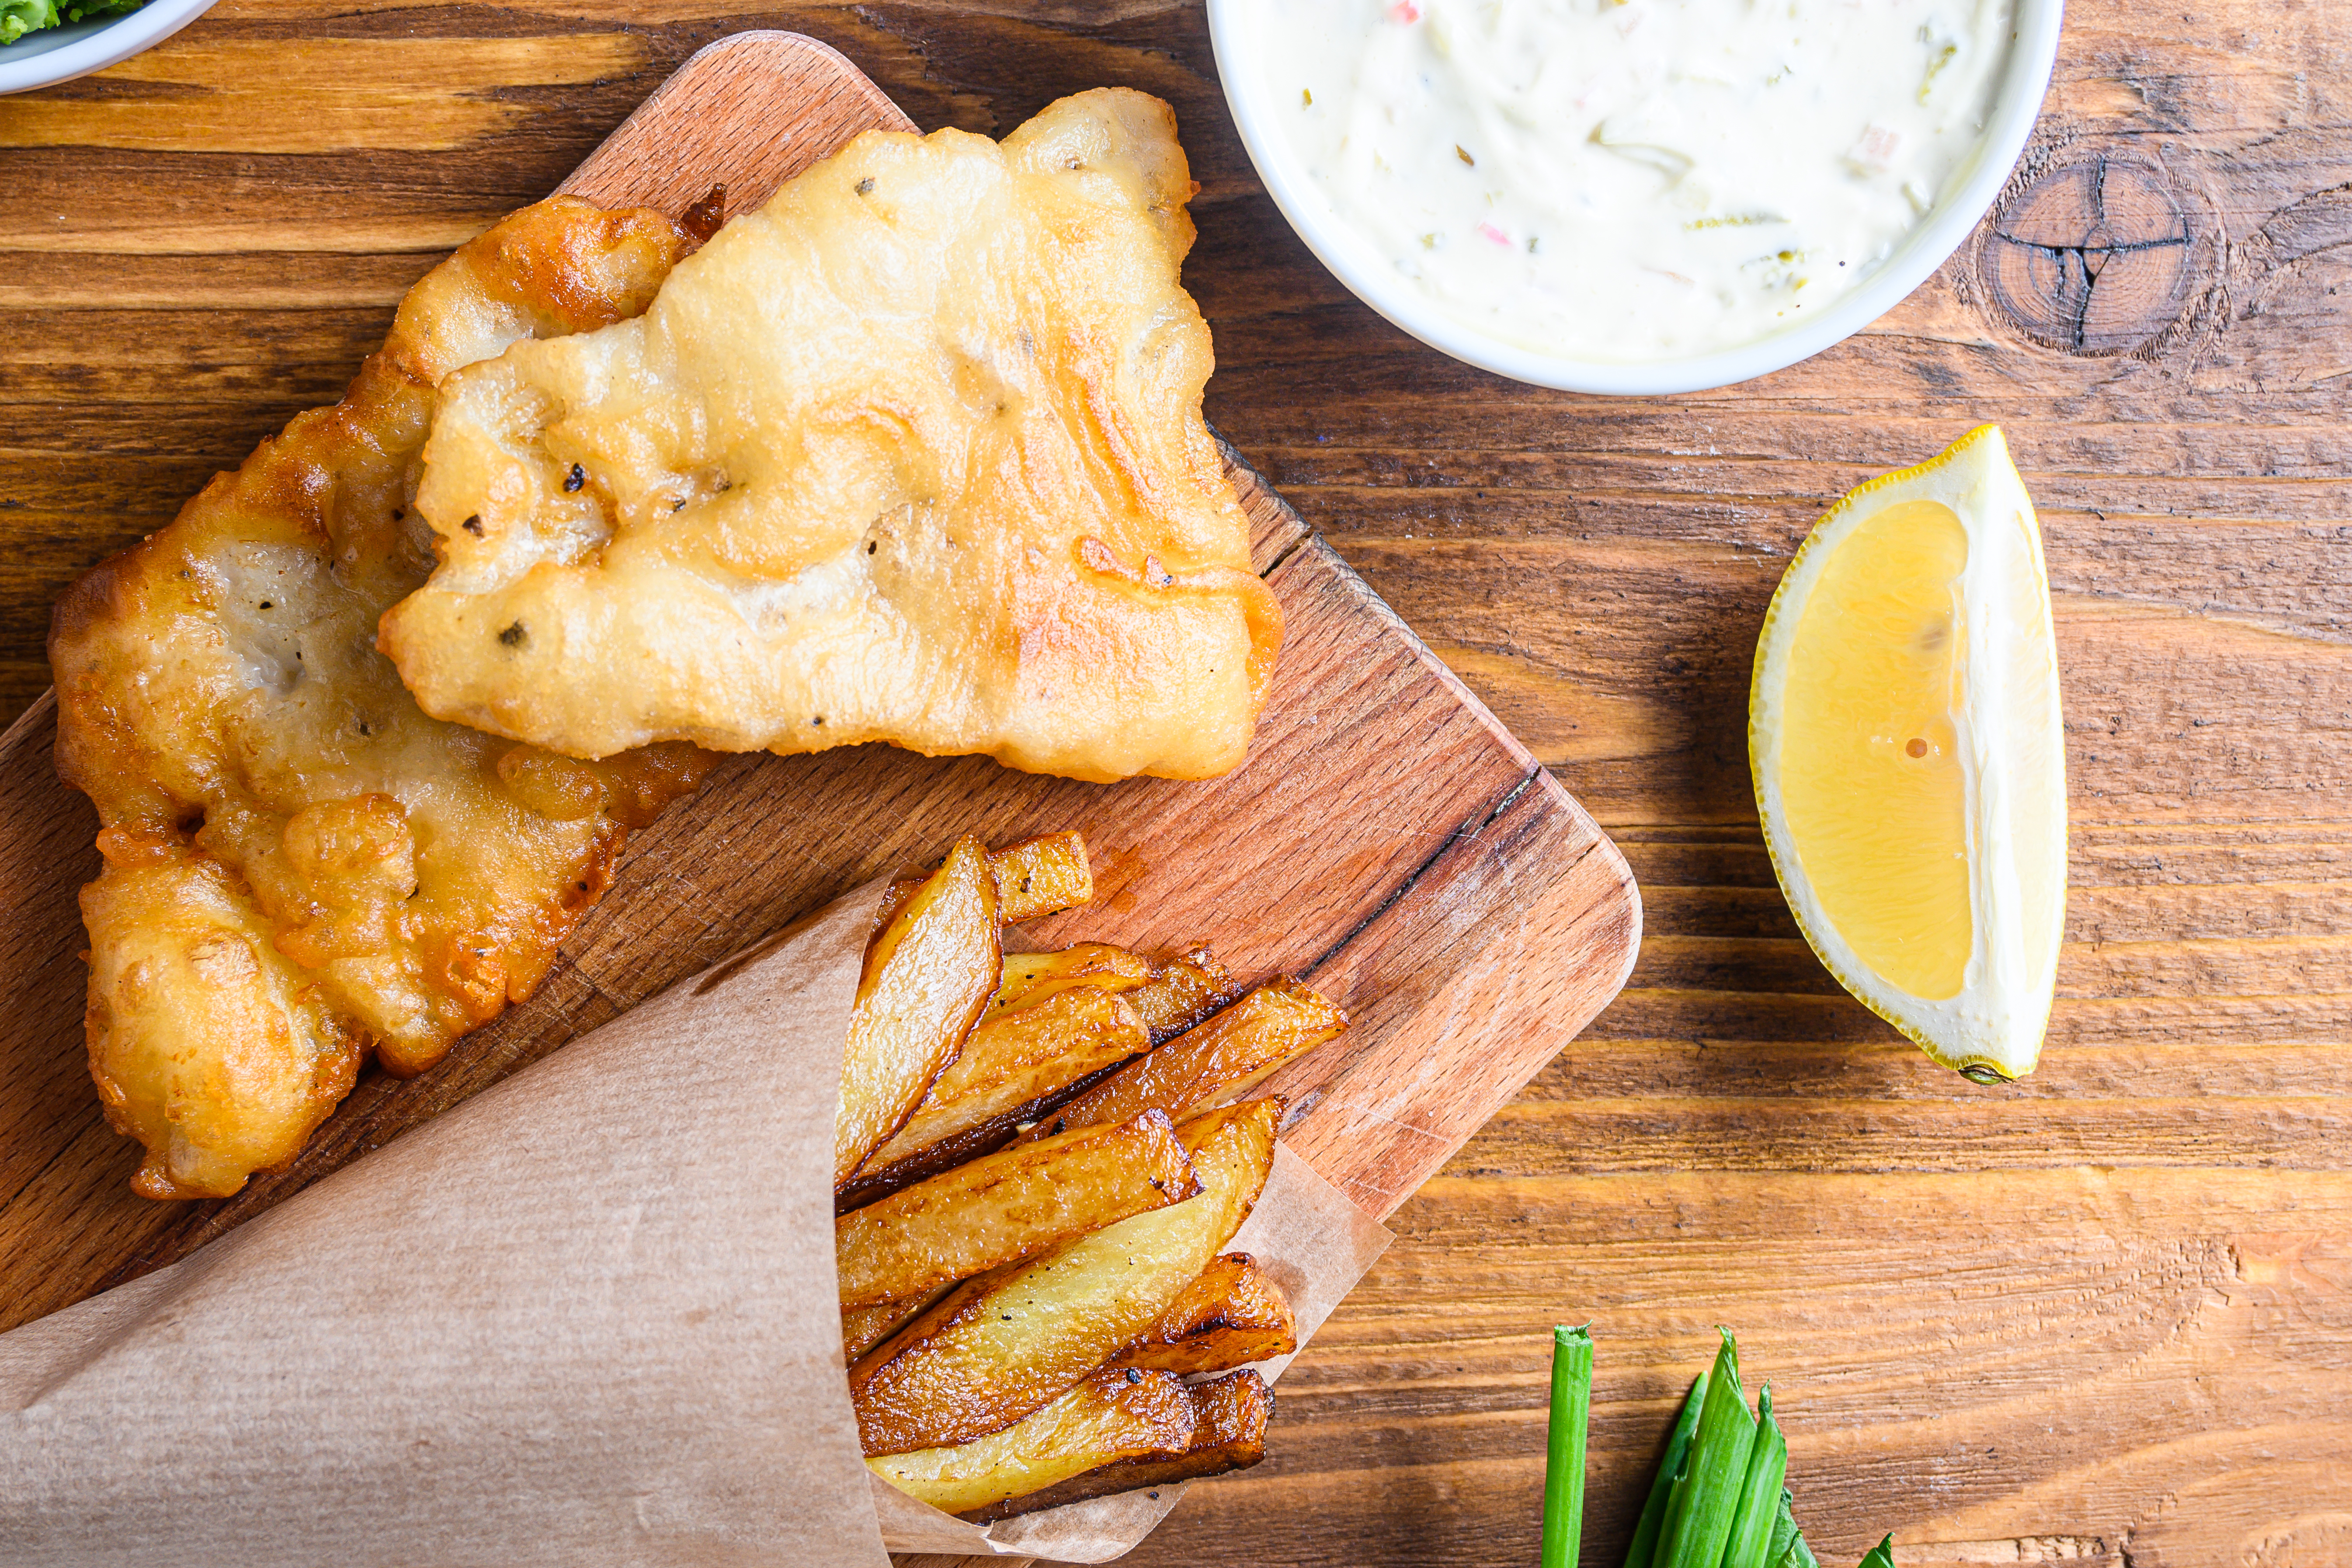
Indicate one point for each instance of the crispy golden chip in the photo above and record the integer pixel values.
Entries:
(1232, 1315)
(1229, 1419)
(1043, 876)
(927, 977)
(1008, 1207)
(300, 864)
(1034, 877)
(1011, 1069)
(1181, 992)
(1228, 1055)
(1029, 978)
(996, 1348)
(1100, 1421)
(914, 453)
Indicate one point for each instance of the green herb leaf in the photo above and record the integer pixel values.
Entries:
(1571, 1414)
(1881, 1555)
(1645, 1550)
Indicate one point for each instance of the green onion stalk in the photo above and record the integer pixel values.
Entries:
(1707, 1498)
(1645, 1550)
(1571, 1414)
(1761, 1493)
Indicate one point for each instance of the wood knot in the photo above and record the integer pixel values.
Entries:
(2095, 259)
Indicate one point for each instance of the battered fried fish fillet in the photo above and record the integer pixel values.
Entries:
(298, 863)
(912, 454)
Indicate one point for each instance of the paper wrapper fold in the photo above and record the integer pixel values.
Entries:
(586, 1317)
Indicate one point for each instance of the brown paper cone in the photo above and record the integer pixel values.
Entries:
(589, 1316)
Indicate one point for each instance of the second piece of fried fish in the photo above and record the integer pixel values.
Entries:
(298, 863)
(914, 453)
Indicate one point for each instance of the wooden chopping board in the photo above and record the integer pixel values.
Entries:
(1386, 840)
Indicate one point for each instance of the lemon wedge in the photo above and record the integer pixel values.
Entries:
(1910, 766)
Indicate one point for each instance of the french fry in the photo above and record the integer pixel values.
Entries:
(1029, 978)
(1232, 1315)
(1011, 1068)
(1104, 1419)
(1185, 989)
(1223, 1057)
(1035, 876)
(928, 974)
(1008, 1207)
(1042, 876)
(975, 1107)
(863, 1327)
(996, 1348)
(1017, 1316)
(1229, 1417)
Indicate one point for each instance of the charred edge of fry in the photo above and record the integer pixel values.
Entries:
(1009, 1208)
(1216, 1347)
(1212, 987)
(863, 1327)
(1086, 1040)
(1216, 1062)
(1014, 1059)
(1087, 1046)
(1234, 1314)
(952, 1306)
(1230, 1415)
(962, 1148)
(987, 1138)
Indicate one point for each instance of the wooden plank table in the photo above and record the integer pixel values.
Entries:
(2103, 1316)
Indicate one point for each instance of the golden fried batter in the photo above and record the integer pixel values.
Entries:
(912, 454)
(298, 863)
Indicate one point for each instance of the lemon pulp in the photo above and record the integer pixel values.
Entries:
(1874, 681)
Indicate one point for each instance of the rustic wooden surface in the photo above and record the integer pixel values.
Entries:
(2103, 1316)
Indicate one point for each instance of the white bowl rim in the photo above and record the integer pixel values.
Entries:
(112, 44)
(2016, 107)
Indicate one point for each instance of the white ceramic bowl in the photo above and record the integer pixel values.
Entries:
(60, 54)
(2017, 103)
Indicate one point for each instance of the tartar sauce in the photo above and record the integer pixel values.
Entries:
(1631, 179)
